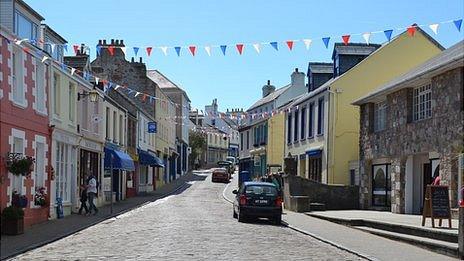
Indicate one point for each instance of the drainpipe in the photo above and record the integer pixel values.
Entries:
(51, 171)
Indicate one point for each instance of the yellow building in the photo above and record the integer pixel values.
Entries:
(329, 146)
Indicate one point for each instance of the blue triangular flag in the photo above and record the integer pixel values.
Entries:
(65, 47)
(326, 41)
(177, 48)
(33, 41)
(151, 99)
(274, 44)
(458, 24)
(98, 48)
(136, 50)
(388, 34)
(223, 49)
(63, 66)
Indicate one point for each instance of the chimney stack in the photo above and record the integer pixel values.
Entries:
(268, 88)
(298, 78)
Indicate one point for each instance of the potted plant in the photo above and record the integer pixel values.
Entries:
(18, 164)
(40, 198)
(12, 220)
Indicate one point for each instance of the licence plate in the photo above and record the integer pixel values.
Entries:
(261, 201)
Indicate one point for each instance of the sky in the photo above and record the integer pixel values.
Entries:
(236, 80)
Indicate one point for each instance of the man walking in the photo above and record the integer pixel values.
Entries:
(92, 193)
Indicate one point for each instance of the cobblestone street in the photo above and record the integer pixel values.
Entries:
(196, 224)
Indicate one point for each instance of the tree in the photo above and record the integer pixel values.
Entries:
(198, 144)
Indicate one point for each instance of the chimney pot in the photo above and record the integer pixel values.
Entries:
(132, 59)
(140, 59)
(100, 42)
(122, 42)
(117, 42)
(112, 41)
(104, 42)
(268, 82)
(296, 69)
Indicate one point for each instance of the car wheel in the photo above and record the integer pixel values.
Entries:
(241, 217)
(278, 220)
(235, 214)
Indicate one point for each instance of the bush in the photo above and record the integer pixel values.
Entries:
(12, 213)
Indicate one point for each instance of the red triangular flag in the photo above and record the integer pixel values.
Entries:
(412, 30)
(144, 97)
(111, 50)
(192, 49)
(240, 48)
(290, 45)
(346, 39)
(149, 50)
(76, 48)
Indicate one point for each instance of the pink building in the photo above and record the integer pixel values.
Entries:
(24, 120)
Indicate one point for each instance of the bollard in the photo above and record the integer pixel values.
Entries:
(461, 232)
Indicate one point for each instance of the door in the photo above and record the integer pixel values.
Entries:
(427, 179)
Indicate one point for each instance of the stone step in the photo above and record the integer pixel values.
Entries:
(442, 235)
(439, 246)
(316, 207)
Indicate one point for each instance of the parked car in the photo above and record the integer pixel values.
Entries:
(258, 200)
(220, 175)
(232, 159)
(227, 165)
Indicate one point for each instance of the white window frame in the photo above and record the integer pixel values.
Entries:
(380, 116)
(422, 102)
(72, 102)
(40, 104)
(63, 169)
(56, 94)
(18, 83)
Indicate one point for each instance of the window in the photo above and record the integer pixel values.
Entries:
(40, 87)
(315, 168)
(115, 118)
(381, 189)
(24, 27)
(18, 78)
(320, 116)
(380, 116)
(295, 128)
(303, 123)
(65, 155)
(422, 103)
(95, 114)
(72, 102)
(248, 140)
(39, 164)
(121, 140)
(311, 120)
(289, 128)
(56, 94)
(107, 123)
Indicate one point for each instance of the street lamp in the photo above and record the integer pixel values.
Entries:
(93, 95)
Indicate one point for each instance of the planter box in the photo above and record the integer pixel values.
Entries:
(13, 227)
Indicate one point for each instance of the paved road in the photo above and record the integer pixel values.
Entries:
(196, 225)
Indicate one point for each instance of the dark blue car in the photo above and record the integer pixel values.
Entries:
(258, 200)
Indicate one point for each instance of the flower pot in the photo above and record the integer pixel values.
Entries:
(13, 226)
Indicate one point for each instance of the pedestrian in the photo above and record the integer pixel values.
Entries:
(436, 179)
(92, 193)
(83, 200)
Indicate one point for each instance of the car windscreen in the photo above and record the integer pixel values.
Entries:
(261, 190)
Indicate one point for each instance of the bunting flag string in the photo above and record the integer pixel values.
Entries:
(326, 41)
(367, 37)
(239, 48)
(223, 49)
(290, 45)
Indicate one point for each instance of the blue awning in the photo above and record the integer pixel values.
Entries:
(314, 152)
(149, 159)
(120, 160)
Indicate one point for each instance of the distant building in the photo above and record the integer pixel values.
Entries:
(318, 74)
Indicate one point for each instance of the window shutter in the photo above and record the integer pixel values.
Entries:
(409, 104)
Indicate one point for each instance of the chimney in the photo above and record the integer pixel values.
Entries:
(268, 89)
(298, 78)
(140, 60)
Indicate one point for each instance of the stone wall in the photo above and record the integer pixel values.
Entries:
(443, 134)
(335, 197)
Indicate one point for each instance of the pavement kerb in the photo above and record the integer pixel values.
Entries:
(48, 241)
(285, 224)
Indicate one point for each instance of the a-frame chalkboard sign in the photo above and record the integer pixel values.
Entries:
(436, 205)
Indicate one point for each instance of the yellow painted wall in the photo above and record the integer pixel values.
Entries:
(390, 61)
(64, 115)
(276, 139)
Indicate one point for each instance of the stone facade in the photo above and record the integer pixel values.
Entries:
(442, 134)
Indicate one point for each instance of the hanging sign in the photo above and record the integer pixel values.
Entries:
(152, 127)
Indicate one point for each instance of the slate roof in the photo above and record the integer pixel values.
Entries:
(274, 95)
(354, 48)
(163, 82)
(318, 67)
(448, 59)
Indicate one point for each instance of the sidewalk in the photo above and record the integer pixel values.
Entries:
(41, 234)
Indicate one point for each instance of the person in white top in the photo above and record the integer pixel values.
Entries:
(92, 193)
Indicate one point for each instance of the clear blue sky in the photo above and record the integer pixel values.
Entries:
(237, 80)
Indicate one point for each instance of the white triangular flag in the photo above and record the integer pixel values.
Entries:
(44, 59)
(208, 50)
(123, 49)
(307, 43)
(434, 28)
(97, 80)
(52, 46)
(367, 37)
(19, 42)
(257, 46)
(164, 49)
(137, 94)
(117, 87)
(72, 71)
